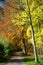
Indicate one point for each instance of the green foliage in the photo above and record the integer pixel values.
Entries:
(9, 50)
(32, 62)
(2, 39)
(6, 51)
(5, 48)
(2, 52)
(2, 63)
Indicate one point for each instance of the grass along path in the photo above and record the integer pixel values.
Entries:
(29, 61)
(2, 63)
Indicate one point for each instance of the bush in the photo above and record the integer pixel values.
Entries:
(5, 48)
(5, 51)
(2, 52)
(9, 50)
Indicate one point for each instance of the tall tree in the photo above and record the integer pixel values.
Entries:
(32, 30)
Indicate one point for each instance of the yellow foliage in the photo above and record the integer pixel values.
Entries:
(28, 31)
(41, 31)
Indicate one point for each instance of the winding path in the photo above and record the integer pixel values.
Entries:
(16, 60)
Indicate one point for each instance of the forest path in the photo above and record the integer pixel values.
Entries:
(16, 60)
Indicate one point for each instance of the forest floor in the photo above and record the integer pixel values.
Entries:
(19, 59)
(16, 60)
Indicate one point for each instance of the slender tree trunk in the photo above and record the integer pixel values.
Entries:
(23, 40)
(25, 27)
(33, 38)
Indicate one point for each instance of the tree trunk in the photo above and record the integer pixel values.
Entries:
(23, 40)
(33, 38)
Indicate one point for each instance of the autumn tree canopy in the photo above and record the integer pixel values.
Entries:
(14, 19)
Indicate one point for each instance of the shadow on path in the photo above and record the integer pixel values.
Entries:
(17, 60)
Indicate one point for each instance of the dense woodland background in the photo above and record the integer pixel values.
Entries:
(15, 25)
